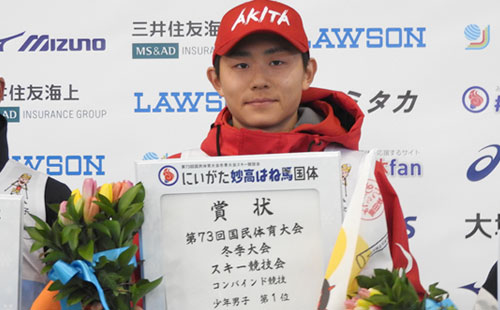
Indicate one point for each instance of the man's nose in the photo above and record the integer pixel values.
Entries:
(260, 78)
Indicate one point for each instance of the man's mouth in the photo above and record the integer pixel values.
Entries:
(261, 101)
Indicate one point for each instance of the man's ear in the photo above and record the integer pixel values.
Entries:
(309, 74)
(214, 79)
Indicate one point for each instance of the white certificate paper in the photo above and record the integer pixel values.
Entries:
(238, 232)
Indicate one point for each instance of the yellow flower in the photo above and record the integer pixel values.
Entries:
(374, 292)
(76, 195)
(363, 303)
(77, 200)
(107, 191)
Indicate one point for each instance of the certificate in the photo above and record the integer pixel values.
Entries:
(235, 232)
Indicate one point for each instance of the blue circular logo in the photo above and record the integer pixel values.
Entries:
(475, 99)
(150, 156)
(168, 175)
(472, 32)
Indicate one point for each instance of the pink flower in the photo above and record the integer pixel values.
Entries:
(62, 210)
(350, 304)
(88, 191)
(90, 211)
(363, 293)
(89, 188)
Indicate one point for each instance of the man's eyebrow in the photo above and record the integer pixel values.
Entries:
(272, 50)
(238, 53)
(277, 49)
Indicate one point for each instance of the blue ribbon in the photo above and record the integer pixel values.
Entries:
(64, 272)
(433, 305)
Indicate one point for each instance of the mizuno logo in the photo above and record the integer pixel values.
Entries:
(3, 41)
(44, 43)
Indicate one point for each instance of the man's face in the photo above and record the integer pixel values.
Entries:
(262, 79)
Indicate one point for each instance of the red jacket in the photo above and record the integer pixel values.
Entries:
(341, 124)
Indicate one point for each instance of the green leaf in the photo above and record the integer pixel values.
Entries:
(108, 280)
(53, 257)
(365, 282)
(71, 211)
(87, 251)
(36, 246)
(67, 231)
(114, 228)
(128, 229)
(127, 255)
(101, 228)
(126, 199)
(54, 207)
(35, 234)
(101, 216)
(73, 238)
(141, 193)
(132, 210)
(126, 271)
(67, 289)
(56, 230)
(134, 195)
(105, 205)
(101, 263)
(143, 287)
(380, 300)
(46, 269)
(122, 303)
(104, 243)
(397, 288)
(56, 286)
(76, 297)
(104, 199)
(41, 223)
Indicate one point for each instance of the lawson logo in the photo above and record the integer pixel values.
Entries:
(181, 102)
(46, 43)
(71, 165)
(376, 37)
(155, 50)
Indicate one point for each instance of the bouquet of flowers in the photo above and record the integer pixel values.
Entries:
(388, 290)
(89, 251)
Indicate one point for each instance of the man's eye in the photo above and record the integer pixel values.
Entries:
(276, 62)
(241, 66)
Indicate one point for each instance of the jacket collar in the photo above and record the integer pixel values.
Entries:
(342, 120)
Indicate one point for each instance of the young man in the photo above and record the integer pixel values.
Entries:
(261, 66)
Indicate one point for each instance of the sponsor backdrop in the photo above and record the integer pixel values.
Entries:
(93, 86)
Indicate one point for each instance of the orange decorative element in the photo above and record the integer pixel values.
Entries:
(46, 300)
